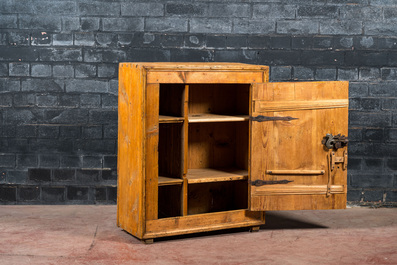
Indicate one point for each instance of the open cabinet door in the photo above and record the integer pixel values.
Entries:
(298, 153)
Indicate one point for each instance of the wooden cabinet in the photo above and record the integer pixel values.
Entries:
(208, 146)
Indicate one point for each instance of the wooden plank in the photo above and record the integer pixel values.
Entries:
(151, 151)
(207, 117)
(185, 153)
(194, 66)
(264, 106)
(164, 181)
(295, 172)
(131, 150)
(299, 202)
(297, 189)
(184, 197)
(170, 119)
(204, 77)
(202, 222)
(202, 175)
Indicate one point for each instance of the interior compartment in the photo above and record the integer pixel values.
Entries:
(217, 151)
(224, 99)
(172, 99)
(217, 196)
(170, 150)
(218, 145)
(169, 201)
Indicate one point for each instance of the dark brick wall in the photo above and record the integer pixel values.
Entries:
(58, 80)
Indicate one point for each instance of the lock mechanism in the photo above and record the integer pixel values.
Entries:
(334, 142)
(338, 159)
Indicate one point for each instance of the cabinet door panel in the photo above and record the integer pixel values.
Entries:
(290, 167)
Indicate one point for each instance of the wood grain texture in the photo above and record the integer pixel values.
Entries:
(131, 150)
(299, 190)
(295, 172)
(165, 181)
(299, 202)
(200, 77)
(295, 146)
(185, 136)
(202, 222)
(170, 119)
(185, 143)
(202, 175)
(195, 118)
(263, 106)
(197, 66)
(218, 145)
(151, 151)
(184, 197)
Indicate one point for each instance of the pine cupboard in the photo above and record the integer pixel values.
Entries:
(209, 146)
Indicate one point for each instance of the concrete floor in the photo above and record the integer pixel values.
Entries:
(88, 235)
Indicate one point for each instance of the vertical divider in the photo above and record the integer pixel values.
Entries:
(185, 151)
(151, 155)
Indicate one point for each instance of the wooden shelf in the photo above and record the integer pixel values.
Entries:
(166, 181)
(205, 175)
(170, 119)
(207, 117)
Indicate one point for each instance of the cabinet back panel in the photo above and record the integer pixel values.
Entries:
(218, 145)
(230, 99)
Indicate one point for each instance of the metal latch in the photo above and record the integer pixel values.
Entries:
(334, 142)
(332, 161)
(338, 159)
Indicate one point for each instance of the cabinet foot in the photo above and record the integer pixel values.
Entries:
(254, 229)
(148, 241)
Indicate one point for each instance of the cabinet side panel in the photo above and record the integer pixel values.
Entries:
(130, 158)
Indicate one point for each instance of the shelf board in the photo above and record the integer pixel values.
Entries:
(205, 175)
(165, 181)
(170, 119)
(207, 117)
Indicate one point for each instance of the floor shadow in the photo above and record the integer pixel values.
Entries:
(204, 234)
(275, 220)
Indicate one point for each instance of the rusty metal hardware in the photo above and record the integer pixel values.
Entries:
(334, 142)
(332, 161)
(260, 182)
(338, 159)
(261, 118)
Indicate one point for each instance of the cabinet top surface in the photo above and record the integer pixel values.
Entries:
(194, 66)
